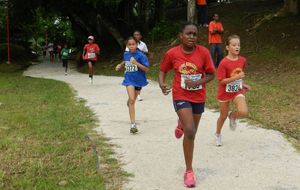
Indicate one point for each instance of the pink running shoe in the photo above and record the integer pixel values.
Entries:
(189, 179)
(178, 130)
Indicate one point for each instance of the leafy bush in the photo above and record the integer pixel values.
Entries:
(164, 30)
(18, 53)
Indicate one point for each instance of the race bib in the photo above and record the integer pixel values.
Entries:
(129, 67)
(234, 86)
(65, 54)
(193, 78)
(91, 55)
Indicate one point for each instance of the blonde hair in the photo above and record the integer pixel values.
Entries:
(233, 36)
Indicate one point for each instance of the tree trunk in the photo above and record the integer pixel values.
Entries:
(159, 10)
(114, 32)
(291, 6)
(191, 11)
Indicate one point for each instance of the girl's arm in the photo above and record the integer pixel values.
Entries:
(206, 79)
(246, 86)
(83, 52)
(233, 78)
(119, 66)
(141, 66)
(162, 83)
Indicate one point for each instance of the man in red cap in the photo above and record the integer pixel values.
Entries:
(90, 54)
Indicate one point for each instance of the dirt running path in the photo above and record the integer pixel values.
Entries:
(251, 158)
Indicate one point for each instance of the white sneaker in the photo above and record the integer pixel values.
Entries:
(66, 73)
(218, 139)
(133, 128)
(232, 122)
(139, 98)
(91, 80)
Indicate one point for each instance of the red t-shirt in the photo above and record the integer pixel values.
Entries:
(226, 69)
(201, 2)
(91, 51)
(193, 66)
(215, 38)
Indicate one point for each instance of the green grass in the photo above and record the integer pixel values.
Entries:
(43, 137)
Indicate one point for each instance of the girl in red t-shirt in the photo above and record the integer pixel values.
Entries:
(232, 87)
(193, 68)
(90, 54)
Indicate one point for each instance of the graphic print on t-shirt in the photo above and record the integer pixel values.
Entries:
(237, 84)
(188, 71)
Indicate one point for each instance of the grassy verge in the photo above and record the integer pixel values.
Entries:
(46, 138)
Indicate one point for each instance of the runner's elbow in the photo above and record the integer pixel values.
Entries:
(146, 69)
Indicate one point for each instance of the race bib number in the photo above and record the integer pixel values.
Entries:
(129, 67)
(234, 86)
(91, 55)
(193, 78)
(65, 54)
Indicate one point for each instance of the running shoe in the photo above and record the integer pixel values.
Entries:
(232, 122)
(133, 128)
(179, 130)
(218, 139)
(139, 98)
(91, 80)
(189, 179)
(66, 73)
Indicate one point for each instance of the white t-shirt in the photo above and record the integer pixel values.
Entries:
(50, 47)
(142, 46)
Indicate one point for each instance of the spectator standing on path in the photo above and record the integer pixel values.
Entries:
(202, 12)
(142, 47)
(193, 68)
(215, 31)
(90, 54)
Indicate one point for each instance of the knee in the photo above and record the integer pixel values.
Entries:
(190, 133)
(243, 113)
(131, 101)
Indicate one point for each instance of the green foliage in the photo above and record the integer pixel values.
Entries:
(164, 30)
(18, 52)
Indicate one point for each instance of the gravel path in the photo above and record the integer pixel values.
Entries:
(250, 158)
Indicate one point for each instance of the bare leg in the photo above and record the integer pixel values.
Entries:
(131, 101)
(242, 108)
(190, 124)
(91, 71)
(224, 108)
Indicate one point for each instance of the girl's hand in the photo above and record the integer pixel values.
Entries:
(190, 83)
(240, 75)
(133, 61)
(165, 89)
(119, 66)
(246, 87)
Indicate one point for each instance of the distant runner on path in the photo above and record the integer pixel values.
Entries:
(90, 54)
(65, 52)
(193, 68)
(231, 87)
(136, 66)
(51, 51)
(142, 47)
